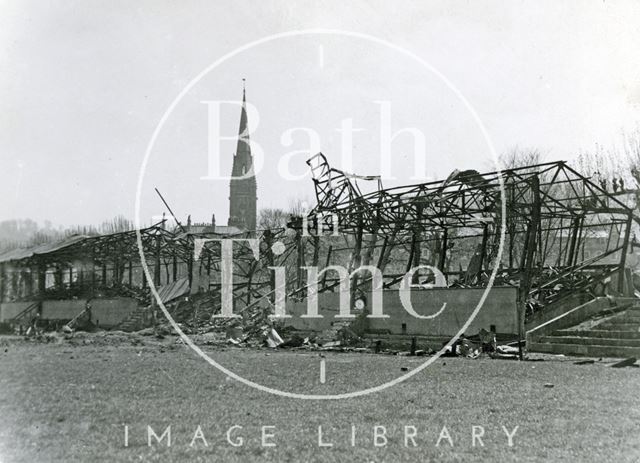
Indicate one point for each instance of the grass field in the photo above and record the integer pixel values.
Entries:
(71, 402)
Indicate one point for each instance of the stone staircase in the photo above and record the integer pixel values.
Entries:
(137, 320)
(616, 335)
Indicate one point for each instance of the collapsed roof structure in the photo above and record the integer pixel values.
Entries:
(563, 234)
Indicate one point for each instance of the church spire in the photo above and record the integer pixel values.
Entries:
(242, 199)
(243, 132)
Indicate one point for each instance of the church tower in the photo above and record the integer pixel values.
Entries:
(242, 198)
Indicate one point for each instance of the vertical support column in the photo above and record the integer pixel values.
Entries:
(579, 239)
(511, 223)
(81, 274)
(190, 267)
(156, 263)
(527, 261)
(623, 258)
(383, 251)
(326, 264)
(2, 282)
(59, 277)
(42, 279)
(268, 242)
(13, 282)
(93, 273)
(316, 250)
(373, 240)
(483, 251)
(443, 251)
(356, 258)
(300, 259)
(175, 267)
(116, 269)
(572, 244)
(387, 247)
(416, 246)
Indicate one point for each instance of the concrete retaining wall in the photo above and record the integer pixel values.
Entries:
(110, 312)
(107, 312)
(62, 310)
(9, 310)
(498, 312)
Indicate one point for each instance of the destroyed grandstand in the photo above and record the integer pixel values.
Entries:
(563, 236)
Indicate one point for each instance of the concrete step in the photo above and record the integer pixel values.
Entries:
(599, 334)
(592, 341)
(134, 321)
(611, 326)
(588, 350)
(631, 316)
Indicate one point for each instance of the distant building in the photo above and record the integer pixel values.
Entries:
(210, 229)
(243, 187)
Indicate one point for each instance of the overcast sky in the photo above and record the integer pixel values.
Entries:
(83, 85)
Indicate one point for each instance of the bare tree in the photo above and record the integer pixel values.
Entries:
(631, 151)
(521, 157)
(116, 225)
(615, 168)
(298, 206)
(272, 218)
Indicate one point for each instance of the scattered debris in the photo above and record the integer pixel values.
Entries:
(584, 362)
(630, 362)
(274, 339)
(414, 346)
(507, 350)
